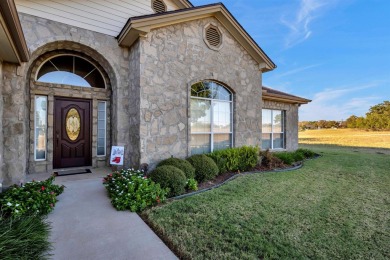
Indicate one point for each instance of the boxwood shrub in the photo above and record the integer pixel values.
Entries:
(169, 176)
(183, 165)
(205, 167)
(236, 159)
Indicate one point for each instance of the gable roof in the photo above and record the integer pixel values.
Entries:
(13, 47)
(276, 95)
(142, 25)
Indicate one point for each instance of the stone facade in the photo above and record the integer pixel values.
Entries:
(1, 124)
(172, 59)
(291, 127)
(147, 92)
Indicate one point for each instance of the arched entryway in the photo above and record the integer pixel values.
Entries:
(70, 112)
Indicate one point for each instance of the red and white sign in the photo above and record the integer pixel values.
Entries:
(117, 153)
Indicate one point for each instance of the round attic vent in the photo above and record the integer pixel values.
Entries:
(213, 37)
(159, 6)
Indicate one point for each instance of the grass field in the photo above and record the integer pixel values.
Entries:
(346, 137)
(336, 206)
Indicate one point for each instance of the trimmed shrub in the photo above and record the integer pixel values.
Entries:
(298, 156)
(183, 165)
(286, 157)
(307, 153)
(131, 190)
(205, 167)
(236, 159)
(169, 176)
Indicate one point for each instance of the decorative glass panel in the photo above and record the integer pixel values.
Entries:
(222, 141)
(200, 116)
(70, 70)
(40, 121)
(266, 141)
(101, 137)
(200, 143)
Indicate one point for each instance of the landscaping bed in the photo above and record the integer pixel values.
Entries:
(334, 207)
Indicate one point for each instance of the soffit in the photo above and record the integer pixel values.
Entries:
(142, 25)
(13, 47)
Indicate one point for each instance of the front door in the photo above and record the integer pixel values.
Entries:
(72, 133)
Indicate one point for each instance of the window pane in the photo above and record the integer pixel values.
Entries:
(101, 137)
(278, 141)
(222, 93)
(222, 141)
(200, 116)
(222, 117)
(200, 143)
(266, 141)
(277, 121)
(267, 121)
(40, 127)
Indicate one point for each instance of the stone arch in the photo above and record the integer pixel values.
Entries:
(41, 54)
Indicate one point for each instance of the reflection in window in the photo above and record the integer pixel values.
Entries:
(70, 70)
(40, 128)
(101, 136)
(273, 124)
(211, 117)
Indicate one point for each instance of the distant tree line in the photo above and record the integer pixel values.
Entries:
(377, 118)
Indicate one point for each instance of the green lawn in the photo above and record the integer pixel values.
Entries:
(337, 206)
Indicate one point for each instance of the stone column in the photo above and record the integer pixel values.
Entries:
(1, 124)
(15, 124)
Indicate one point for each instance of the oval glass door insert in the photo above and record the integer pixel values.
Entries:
(73, 124)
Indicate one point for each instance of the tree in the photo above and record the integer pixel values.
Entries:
(378, 117)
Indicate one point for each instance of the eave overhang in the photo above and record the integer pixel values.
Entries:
(142, 25)
(279, 96)
(13, 47)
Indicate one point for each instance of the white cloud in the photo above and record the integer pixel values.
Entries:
(299, 25)
(335, 104)
(296, 70)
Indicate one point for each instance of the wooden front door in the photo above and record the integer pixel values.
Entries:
(72, 133)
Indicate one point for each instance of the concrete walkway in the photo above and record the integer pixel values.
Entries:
(86, 226)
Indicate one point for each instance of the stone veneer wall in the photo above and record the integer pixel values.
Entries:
(291, 136)
(1, 123)
(43, 36)
(172, 59)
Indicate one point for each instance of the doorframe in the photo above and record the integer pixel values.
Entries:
(55, 148)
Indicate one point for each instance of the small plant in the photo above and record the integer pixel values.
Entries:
(192, 185)
(205, 167)
(270, 161)
(170, 177)
(24, 238)
(33, 198)
(236, 159)
(183, 165)
(131, 190)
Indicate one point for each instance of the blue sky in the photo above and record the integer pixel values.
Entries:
(334, 52)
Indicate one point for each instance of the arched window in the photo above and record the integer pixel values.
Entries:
(211, 117)
(70, 70)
